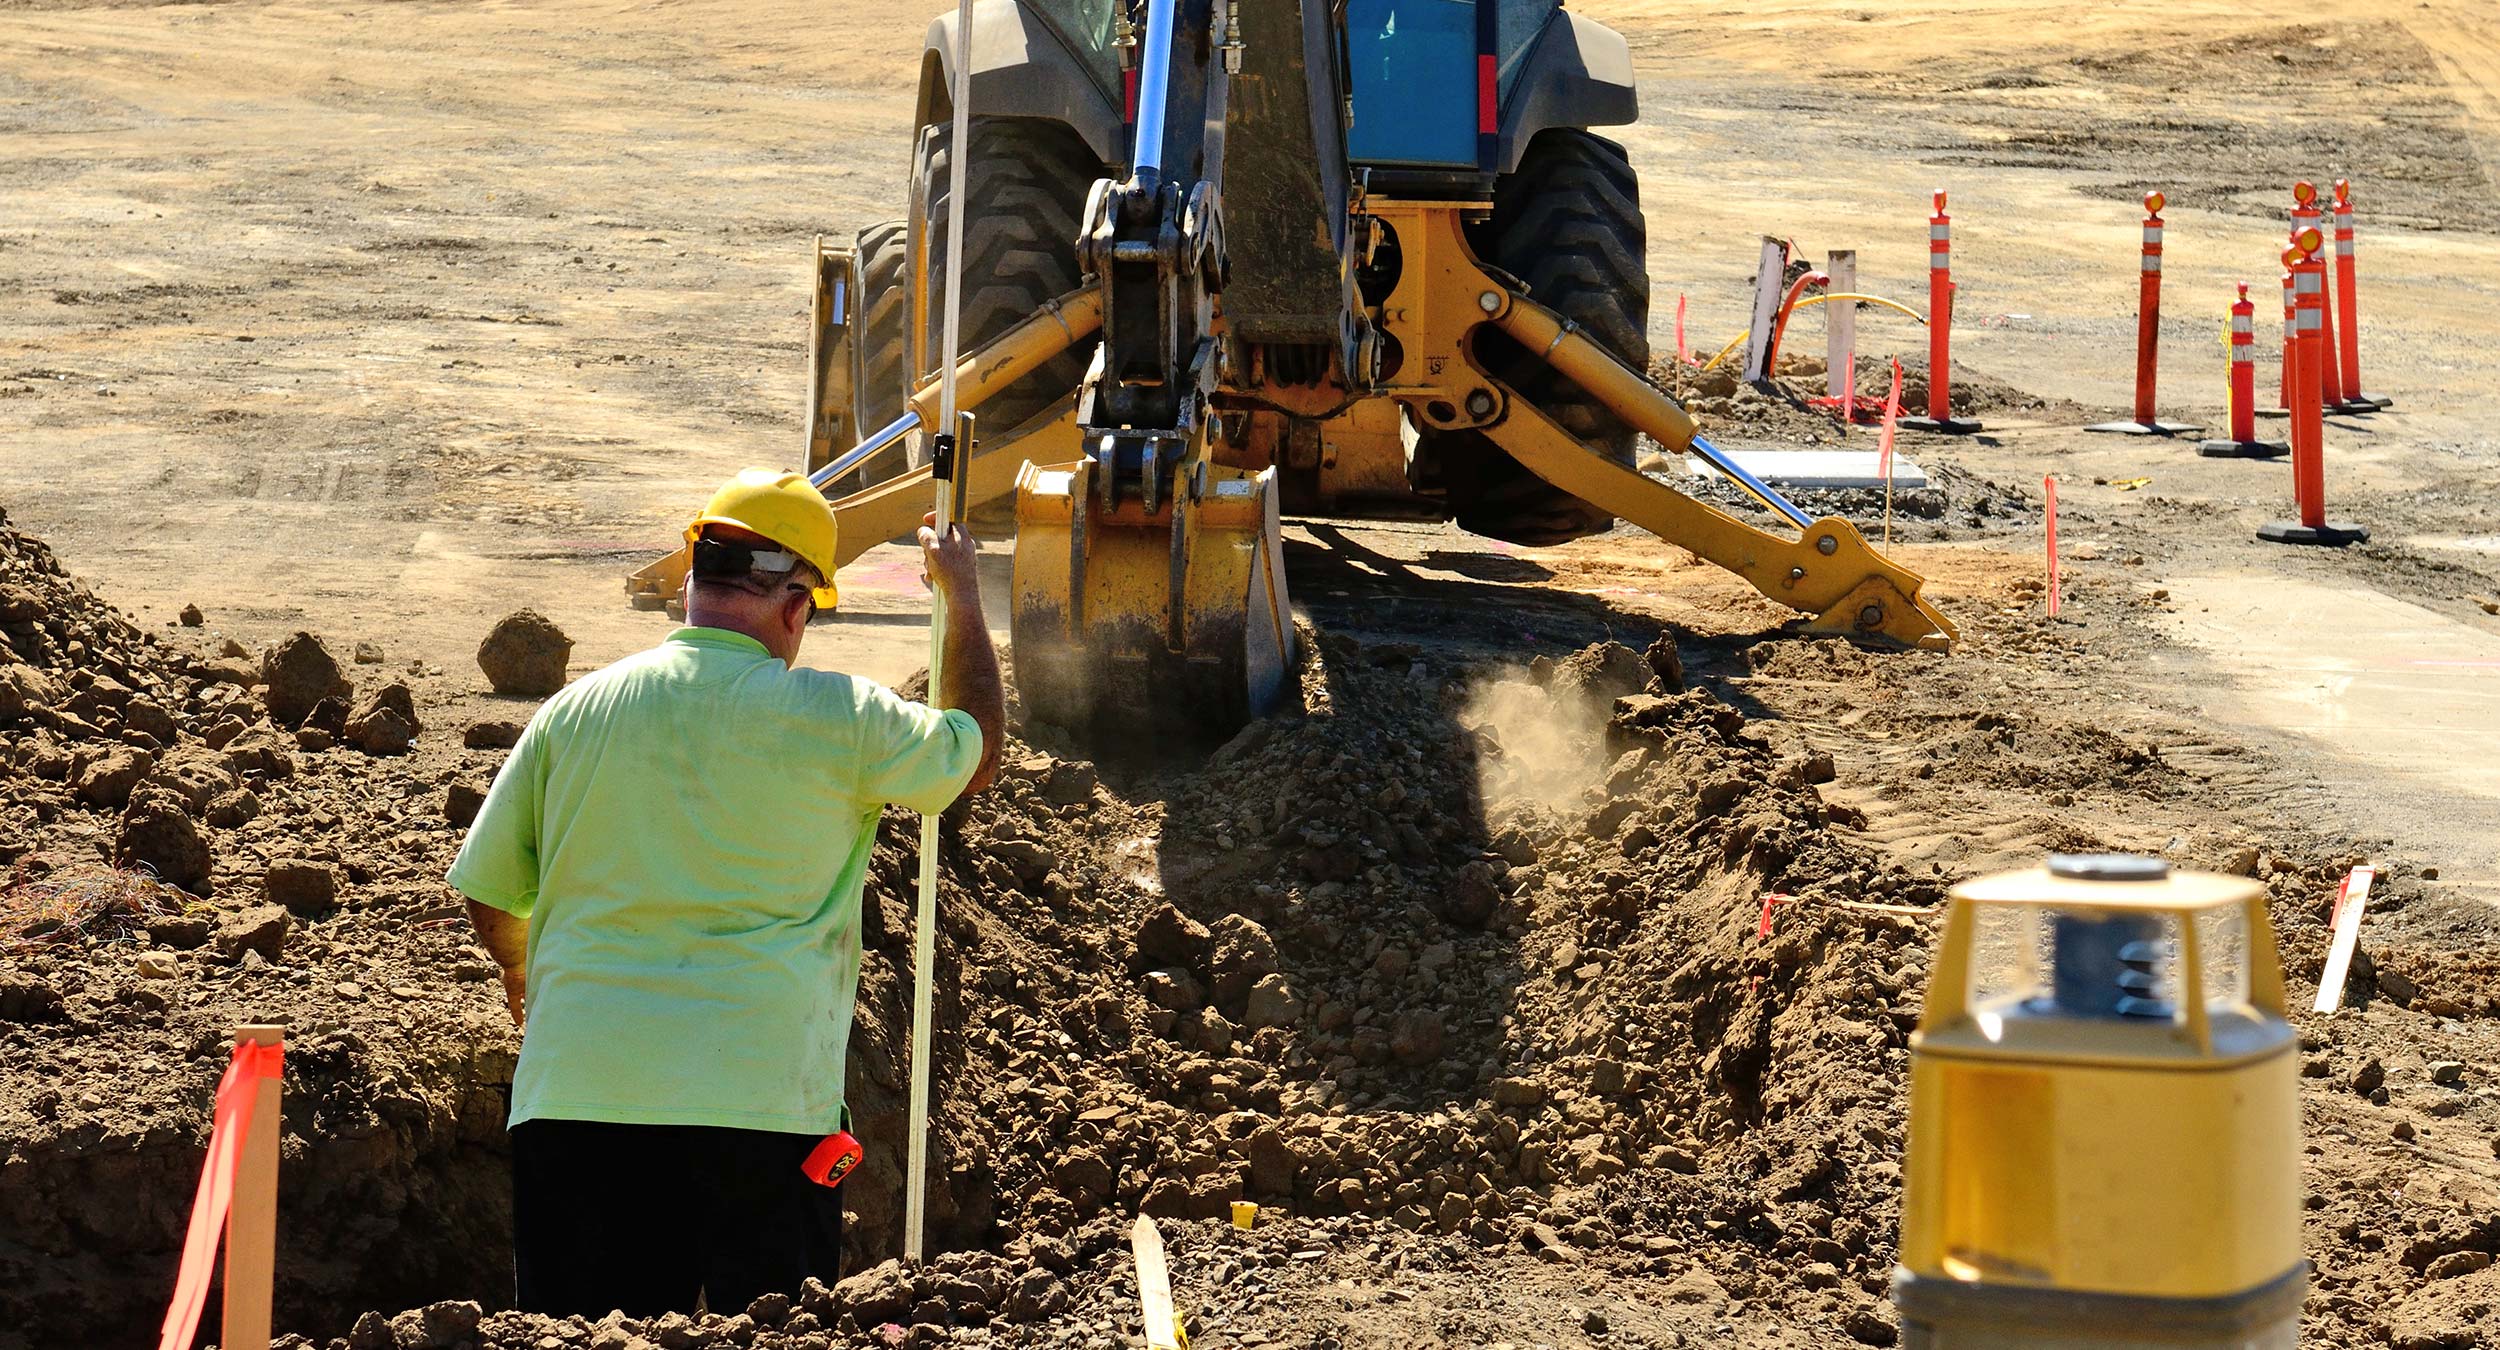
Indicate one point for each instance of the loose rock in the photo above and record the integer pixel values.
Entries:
(525, 654)
(261, 929)
(296, 676)
(157, 833)
(307, 889)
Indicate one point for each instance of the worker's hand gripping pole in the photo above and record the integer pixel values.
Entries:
(955, 456)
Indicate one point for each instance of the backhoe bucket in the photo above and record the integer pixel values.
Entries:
(1172, 621)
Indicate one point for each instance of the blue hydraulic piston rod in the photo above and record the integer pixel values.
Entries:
(1154, 86)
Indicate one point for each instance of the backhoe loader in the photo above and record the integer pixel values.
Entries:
(1230, 260)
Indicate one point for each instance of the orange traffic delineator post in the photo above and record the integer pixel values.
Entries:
(1940, 418)
(2309, 214)
(2148, 336)
(2308, 410)
(2242, 443)
(2348, 305)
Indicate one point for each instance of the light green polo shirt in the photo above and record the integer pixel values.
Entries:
(687, 832)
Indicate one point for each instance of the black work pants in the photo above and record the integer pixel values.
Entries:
(645, 1218)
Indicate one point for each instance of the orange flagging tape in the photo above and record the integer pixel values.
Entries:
(235, 1094)
(1769, 902)
(1892, 424)
(2048, 485)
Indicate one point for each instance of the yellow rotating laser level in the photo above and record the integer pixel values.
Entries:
(2104, 1125)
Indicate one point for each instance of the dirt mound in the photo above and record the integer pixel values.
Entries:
(132, 763)
(1785, 403)
(1358, 965)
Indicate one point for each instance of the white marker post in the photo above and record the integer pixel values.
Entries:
(1160, 1325)
(2348, 906)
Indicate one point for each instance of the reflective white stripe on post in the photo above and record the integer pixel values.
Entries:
(2242, 323)
(1935, 231)
(2152, 262)
(2152, 234)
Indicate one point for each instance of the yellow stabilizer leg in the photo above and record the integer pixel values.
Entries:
(1831, 572)
(1000, 362)
(830, 320)
(1179, 616)
(894, 507)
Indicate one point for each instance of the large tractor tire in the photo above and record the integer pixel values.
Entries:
(1567, 222)
(881, 347)
(1026, 182)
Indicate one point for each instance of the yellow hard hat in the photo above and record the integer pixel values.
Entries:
(782, 507)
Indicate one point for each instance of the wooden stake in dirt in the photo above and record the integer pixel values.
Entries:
(252, 1223)
(1154, 1288)
(1840, 333)
(2349, 903)
(953, 447)
(1767, 285)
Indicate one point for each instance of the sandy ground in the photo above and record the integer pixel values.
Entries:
(384, 320)
(422, 311)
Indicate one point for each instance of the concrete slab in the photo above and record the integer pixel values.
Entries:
(1823, 469)
(2398, 707)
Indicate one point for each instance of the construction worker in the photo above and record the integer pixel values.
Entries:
(668, 869)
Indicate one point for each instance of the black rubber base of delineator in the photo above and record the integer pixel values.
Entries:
(1950, 426)
(2148, 428)
(2353, 407)
(2333, 534)
(2377, 401)
(2229, 449)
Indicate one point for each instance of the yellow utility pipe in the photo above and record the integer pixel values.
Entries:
(1808, 303)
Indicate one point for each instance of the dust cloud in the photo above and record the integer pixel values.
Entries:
(1535, 746)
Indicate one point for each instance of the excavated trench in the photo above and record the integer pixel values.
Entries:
(1462, 952)
(1456, 936)
(393, 1191)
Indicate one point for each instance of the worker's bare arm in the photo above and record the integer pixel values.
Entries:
(506, 939)
(970, 678)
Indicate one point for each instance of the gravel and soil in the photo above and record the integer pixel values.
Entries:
(1458, 969)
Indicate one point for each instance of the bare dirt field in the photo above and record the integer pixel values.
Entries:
(381, 321)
